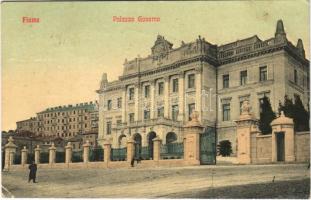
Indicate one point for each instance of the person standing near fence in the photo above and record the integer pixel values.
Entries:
(32, 172)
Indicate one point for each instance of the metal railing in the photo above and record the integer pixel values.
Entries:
(118, 154)
(172, 151)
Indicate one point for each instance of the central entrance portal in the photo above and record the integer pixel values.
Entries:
(280, 146)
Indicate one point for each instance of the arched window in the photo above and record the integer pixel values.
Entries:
(171, 137)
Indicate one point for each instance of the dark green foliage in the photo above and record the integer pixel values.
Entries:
(266, 116)
(224, 148)
(297, 112)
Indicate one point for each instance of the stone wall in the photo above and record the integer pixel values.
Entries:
(263, 149)
(302, 146)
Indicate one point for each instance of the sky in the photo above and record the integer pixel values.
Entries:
(60, 60)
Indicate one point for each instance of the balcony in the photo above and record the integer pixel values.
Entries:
(151, 122)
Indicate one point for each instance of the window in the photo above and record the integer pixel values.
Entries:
(109, 104)
(191, 108)
(225, 81)
(263, 73)
(131, 117)
(226, 112)
(108, 128)
(175, 85)
(243, 77)
(295, 76)
(146, 114)
(147, 91)
(131, 94)
(119, 102)
(119, 122)
(191, 81)
(174, 112)
(161, 112)
(85, 125)
(85, 117)
(160, 88)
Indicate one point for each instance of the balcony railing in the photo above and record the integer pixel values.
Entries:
(150, 122)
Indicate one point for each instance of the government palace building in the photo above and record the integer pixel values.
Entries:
(156, 95)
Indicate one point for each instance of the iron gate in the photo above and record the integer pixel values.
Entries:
(208, 146)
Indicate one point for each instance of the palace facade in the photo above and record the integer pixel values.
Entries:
(63, 121)
(156, 94)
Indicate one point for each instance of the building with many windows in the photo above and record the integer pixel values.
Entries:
(63, 121)
(156, 94)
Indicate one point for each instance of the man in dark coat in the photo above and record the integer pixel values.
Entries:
(33, 171)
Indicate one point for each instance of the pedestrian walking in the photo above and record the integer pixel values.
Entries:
(32, 172)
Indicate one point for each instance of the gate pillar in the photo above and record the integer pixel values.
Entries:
(107, 150)
(68, 153)
(130, 150)
(192, 132)
(37, 154)
(24, 156)
(86, 151)
(52, 154)
(156, 148)
(10, 149)
(285, 125)
(245, 125)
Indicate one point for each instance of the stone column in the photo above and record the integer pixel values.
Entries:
(124, 105)
(130, 150)
(244, 135)
(181, 96)
(107, 150)
(86, 151)
(136, 115)
(37, 154)
(283, 125)
(166, 97)
(68, 154)
(52, 154)
(198, 91)
(24, 156)
(152, 100)
(156, 148)
(10, 149)
(192, 132)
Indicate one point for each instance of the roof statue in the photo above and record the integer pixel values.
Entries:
(161, 47)
(104, 81)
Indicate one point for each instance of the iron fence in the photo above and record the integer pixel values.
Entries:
(118, 154)
(60, 157)
(96, 154)
(172, 151)
(30, 158)
(145, 153)
(17, 159)
(44, 157)
(77, 156)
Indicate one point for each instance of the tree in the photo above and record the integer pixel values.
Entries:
(266, 116)
(287, 108)
(297, 112)
(224, 148)
(301, 115)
